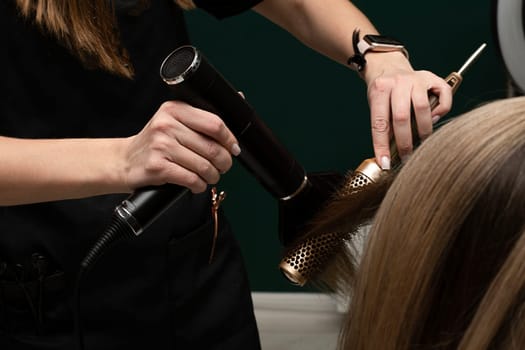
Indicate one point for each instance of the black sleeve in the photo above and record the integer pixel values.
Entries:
(225, 8)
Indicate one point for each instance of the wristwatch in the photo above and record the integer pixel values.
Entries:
(374, 43)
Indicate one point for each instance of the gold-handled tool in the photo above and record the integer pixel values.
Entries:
(454, 79)
(309, 256)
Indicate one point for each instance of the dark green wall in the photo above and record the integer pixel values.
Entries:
(318, 108)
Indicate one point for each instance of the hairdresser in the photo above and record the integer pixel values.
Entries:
(85, 120)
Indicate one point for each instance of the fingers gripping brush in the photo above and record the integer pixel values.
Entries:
(360, 195)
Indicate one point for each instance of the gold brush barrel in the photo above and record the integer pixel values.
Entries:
(309, 257)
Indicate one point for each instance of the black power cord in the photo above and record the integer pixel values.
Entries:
(117, 230)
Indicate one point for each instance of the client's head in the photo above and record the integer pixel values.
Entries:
(444, 264)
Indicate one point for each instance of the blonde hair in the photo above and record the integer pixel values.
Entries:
(444, 266)
(87, 28)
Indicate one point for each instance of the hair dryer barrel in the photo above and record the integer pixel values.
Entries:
(195, 81)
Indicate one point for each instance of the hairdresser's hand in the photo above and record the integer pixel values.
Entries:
(393, 87)
(181, 145)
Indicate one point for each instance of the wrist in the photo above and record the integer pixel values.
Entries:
(380, 62)
(105, 165)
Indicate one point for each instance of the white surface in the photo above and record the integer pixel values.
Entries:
(293, 321)
(511, 38)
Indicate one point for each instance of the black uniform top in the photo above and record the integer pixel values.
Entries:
(46, 93)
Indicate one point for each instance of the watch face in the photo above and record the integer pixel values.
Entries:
(382, 40)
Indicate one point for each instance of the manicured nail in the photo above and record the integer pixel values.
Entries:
(405, 158)
(236, 150)
(435, 119)
(385, 163)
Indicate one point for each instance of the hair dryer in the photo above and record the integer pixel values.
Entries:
(193, 80)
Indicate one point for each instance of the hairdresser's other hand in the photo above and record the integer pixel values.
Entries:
(393, 87)
(181, 144)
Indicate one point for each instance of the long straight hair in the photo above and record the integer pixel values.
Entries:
(87, 28)
(444, 265)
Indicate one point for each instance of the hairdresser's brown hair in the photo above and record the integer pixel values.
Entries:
(87, 28)
(444, 265)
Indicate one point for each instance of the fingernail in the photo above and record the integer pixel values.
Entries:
(405, 158)
(435, 119)
(385, 163)
(236, 150)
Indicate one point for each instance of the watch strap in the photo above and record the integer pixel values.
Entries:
(358, 60)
